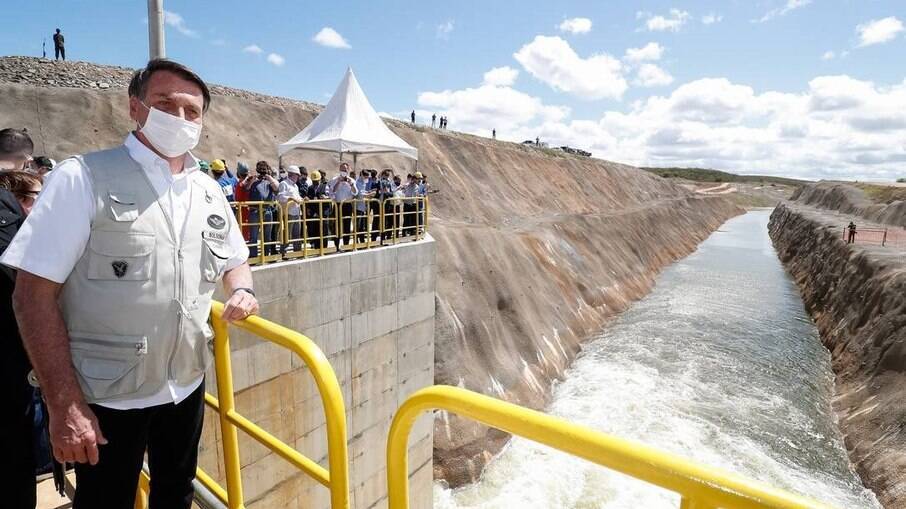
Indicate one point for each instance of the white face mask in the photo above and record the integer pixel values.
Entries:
(344, 174)
(170, 135)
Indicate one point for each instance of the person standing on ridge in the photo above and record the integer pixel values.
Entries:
(116, 269)
(494, 133)
(59, 49)
(851, 236)
(433, 119)
(413, 116)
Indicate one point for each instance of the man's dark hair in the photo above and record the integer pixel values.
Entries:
(138, 87)
(43, 162)
(15, 142)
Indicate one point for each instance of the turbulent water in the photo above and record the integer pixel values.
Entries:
(720, 364)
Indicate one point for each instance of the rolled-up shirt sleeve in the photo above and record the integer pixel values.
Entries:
(55, 233)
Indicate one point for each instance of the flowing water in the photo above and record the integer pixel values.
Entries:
(720, 363)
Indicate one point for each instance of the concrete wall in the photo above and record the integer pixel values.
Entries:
(372, 313)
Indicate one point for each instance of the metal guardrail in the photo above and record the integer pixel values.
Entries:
(325, 226)
(336, 479)
(700, 487)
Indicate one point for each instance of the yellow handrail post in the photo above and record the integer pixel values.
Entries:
(700, 487)
(226, 405)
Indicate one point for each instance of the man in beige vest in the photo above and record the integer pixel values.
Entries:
(117, 264)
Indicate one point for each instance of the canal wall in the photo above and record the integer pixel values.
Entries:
(857, 296)
(372, 314)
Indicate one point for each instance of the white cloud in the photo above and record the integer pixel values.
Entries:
(330, 38)
(444, 29)
(833, 127)
(553, 61)
(576, 25)
(276, 59)
(650, 51)
(828, 55)
(650, 75)
(711, 18)
(879, 31)
(486, 107)
(176, 21)
(670, 23)
(790, 5)
(253, 49)
(500, 76)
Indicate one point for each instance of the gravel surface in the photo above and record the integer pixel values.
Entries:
(72, 74)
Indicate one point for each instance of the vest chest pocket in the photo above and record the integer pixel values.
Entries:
(214, 257)
(122, 206)
(120, 256)
(109, 365)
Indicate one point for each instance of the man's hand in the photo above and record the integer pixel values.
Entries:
(75, 433)
(240, 306)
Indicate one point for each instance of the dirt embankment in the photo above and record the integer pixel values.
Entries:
(857, 297)
(850, 199)
(535, 251)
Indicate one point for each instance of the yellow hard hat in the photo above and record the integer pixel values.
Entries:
(217, 165)
(418, 175)
(315, 176)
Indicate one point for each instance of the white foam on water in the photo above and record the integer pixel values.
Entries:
(719, 364)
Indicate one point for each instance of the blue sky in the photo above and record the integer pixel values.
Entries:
(810, 88)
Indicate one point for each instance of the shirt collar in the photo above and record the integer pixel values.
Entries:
(147, 159)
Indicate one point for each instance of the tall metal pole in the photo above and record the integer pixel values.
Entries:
(156, 29)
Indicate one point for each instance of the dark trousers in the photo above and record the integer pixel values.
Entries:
(361, 224)
(390, 222)
(346, 223)
(375, 209)
(169, 432)
(17, 477)
(409, 213)
(59, 51)
(852, 237)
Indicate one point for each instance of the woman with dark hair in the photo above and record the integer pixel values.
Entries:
(18, 190)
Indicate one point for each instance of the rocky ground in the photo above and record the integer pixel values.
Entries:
(42, 72)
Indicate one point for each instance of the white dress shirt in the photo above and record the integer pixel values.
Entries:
(55, 233)
(340, 190)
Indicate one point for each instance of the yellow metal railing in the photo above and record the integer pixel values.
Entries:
(336, 479)
(700, 487)
(325, 226)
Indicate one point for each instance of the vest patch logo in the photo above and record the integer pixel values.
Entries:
(216, 222)
(119, 268)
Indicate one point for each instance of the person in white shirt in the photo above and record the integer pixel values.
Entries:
(116, 266)
(343, 189)
(289, 190)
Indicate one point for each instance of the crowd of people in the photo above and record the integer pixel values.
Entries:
(108, 265)
(316, 208)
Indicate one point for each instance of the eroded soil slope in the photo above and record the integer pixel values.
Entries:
(857, 295)
(535, 251)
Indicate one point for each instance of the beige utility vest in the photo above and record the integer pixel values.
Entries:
(137, 303)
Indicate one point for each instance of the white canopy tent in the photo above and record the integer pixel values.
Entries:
(348, 125)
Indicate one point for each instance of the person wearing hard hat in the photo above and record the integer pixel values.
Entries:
(113, 300)
(224, 179)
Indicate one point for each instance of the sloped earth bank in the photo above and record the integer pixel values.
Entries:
(857, 297)
(849, 199)
(535, 250)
